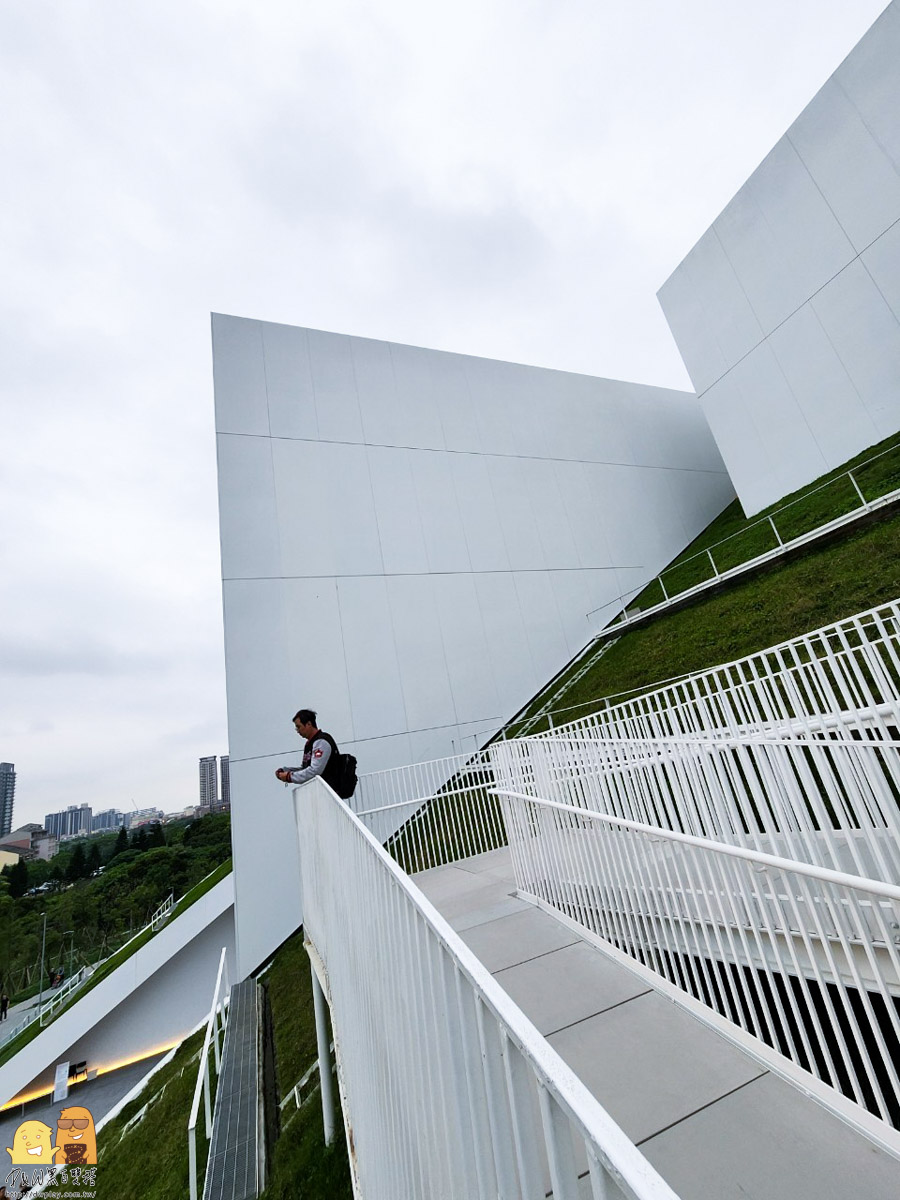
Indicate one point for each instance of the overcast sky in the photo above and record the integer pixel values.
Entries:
(508, 178)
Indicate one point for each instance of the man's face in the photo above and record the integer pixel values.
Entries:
(305, 729)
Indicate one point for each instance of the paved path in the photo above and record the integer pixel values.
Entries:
(715, 1123)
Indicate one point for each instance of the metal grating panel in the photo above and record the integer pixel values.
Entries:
(233, 1169)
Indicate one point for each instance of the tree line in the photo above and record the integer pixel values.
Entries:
(91, 911)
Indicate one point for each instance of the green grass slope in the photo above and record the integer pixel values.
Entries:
(782, 601)
(150, 1160)
(302, 1166)
(733, 538)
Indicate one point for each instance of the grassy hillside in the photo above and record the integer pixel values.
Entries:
(150, 1160)
(88, 918)
(31, 1031)
(828, 583)
(302, 1165)
(733, 538)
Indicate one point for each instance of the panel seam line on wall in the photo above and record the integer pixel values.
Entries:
(430, 574)
(775, 328)
(596, 462)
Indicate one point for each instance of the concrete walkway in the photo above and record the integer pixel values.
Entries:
(710, 1118)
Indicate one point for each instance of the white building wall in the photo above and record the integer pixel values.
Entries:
(411, 543)
(787, 311)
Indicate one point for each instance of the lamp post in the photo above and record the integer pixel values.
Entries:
(43, 948)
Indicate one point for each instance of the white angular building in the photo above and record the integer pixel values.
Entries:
(787, 311)
(413, 542)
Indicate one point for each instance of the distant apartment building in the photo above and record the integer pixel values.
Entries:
(145, 816)
(29, 841)
(76, 819)
(7, 795)
(110, 818)
(209, 782)
(215, 784)
(224, 782)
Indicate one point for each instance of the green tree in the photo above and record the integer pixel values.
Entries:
(121, 842)
(94, 861)
(77, 867)
(139, 839)
(155, 837)
(18, 879)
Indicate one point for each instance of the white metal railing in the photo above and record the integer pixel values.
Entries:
(57, 1001)
(59, 998)
(838, 670)
(45, 1011)
(163, 913)
(780, 546)
(304, 1088)
(411, 784)
(794, 748)
(833, 803)
(847, 673)
(804, 958)
(448, 1089)
(434, 812)
(215, 1027)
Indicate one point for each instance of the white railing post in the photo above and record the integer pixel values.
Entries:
(320, 1007)
(202, 1083)
(192, 1160)
(207, 1105)
(862, 498)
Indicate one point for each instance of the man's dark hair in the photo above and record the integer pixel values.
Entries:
(305, 716)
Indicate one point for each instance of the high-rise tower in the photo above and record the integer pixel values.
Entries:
(224, 782)
(7, 795)
(209, 782)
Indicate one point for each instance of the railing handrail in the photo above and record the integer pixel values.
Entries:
(791, 504)
(39, 1011)
(464, 759)
(817, 638)
(601, 705)
(163, 911)
(569, 1092)
(719, 736)
(865, 506)
(202, 1085)
(65, 990)
(877, 887)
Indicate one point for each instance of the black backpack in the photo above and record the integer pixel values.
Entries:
(344, 775)
(340, 774)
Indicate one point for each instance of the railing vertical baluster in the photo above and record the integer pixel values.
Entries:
(863, 501)
(322, 1047)
(207, 1105)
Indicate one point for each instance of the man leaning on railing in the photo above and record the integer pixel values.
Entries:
(320, 754)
